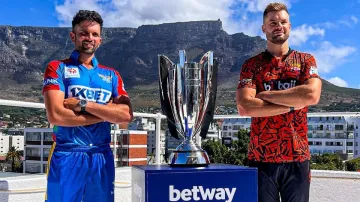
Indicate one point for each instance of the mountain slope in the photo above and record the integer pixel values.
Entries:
(25, 52)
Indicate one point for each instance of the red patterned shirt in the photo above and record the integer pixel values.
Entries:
(280, 138)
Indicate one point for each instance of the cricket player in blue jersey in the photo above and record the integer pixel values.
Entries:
(82, 99)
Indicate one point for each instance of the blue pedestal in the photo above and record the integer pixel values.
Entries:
(217, 182)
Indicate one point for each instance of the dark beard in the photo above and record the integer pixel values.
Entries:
(277, 39)
(88, 50)
(81, 48)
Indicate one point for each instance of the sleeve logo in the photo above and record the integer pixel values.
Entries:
(313, 70)
(50, 81)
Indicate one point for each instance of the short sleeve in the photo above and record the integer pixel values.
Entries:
(53, 77)
(309, 70)
(118, 86)
(247, 79)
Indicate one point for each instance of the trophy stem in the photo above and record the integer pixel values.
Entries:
(189, 154)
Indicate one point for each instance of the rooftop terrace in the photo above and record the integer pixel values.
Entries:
(326, 186)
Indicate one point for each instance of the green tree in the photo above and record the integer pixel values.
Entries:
(13, 156)
(327, 162)
(236, 154)
(216, 151)
(353, 165)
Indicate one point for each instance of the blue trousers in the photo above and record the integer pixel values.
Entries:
(80, 175)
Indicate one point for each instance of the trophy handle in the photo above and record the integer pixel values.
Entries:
(209, 111)
(165, 65)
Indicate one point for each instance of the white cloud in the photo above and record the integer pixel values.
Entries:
(302, 33)
(260, 5)
(338, 82)
(347, 21)
(134, 13)
(354, 19)
(328, 56)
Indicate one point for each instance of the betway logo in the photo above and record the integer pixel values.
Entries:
(199, 193)
(280, 85)
(90, 94)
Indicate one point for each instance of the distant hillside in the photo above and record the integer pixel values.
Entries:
(25, 52)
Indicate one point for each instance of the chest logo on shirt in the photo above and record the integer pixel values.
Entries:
(296, 67)
(279, 85)
(107, 79)
(72, 72)
(91, 94)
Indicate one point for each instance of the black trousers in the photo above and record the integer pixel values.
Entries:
(288, 181)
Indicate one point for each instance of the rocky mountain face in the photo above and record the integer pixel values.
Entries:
(26, 51)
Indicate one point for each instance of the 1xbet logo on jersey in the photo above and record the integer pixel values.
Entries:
(98, 95)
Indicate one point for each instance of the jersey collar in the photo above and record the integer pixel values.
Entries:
(268, 55)
(75, 57)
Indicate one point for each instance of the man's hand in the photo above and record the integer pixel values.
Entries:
(302, 95)
(73, 104)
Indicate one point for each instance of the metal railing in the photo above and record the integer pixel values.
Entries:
(159, 116)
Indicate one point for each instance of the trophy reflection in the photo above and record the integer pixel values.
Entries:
(187, 95)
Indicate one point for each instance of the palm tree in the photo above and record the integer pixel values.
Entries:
(13, 156)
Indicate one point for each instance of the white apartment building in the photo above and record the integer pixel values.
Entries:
(326, 134)
(354, 124)
(231, 126)
(333, 135)
(37, 146)
(7, 141)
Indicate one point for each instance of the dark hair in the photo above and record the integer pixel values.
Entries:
(86, 15)
(274, 7)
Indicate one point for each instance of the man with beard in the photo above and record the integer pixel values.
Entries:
(275, 89)
(82, 99)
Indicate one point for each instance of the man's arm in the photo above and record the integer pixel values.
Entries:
(57, 114)
(249, 105)
(303, 95)
(119, 111)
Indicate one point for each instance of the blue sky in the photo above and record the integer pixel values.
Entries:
(327, 29)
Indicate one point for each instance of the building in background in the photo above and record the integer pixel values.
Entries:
(7, 141)
(148, 124)
(37, 146)
(326, 134)
(128, 146)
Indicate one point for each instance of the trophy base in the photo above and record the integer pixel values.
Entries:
(188, 154)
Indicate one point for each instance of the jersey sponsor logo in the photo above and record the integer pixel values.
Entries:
(199, 193)
(313, 70)
(91, 94)
(279, 85)
(296, 67)
(72, 72)
(107, 79)
(50, 81)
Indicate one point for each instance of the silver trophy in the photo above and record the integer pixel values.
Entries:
(187, 95)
